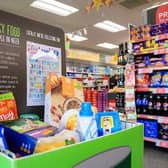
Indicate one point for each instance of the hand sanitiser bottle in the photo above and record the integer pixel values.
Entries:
(86, 122)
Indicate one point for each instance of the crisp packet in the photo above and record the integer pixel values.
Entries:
(8, 109)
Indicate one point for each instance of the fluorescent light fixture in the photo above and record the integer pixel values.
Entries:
(55, 7)
(107, 45)
(75, 37)
(110, 26)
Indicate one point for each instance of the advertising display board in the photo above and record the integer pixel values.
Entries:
(29, 50)
(157, 14)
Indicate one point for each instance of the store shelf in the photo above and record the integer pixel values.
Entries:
(161, 51)
(153, 90)
(156, 38)
(142, 89)
(73, 60)
(77, 72)
(151, 69)
(144, 116)
(162, 143)
(158, 142)
(157, 51)
(151, 51)
(150, 139)
(160, 119)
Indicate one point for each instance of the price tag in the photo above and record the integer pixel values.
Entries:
(161, 37)
(159, 91)
(145, 70)
(162, 143)
(163, 120)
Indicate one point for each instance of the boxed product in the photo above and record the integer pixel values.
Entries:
(150, 128)
(62, 94)
(33, 128)
(19, 144)
(163, 131)
(8, 109)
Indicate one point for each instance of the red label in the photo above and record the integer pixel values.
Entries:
(162, 14)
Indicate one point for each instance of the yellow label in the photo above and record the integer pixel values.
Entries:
(107, 122)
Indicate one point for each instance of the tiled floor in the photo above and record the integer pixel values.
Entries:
(155, 157)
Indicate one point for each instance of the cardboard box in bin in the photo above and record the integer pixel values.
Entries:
(62, 94)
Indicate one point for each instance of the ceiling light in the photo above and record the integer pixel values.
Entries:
(75, 37)
(110, 26)
(107, 45)
(55, 7)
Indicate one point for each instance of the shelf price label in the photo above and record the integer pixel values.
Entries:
(149, 139)
(162, 143)
(161, 51)
(159, 91)
(163, 120)
(145, 70)
(161, 37)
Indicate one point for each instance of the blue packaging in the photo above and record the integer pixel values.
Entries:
(20, 144)
(3, 142)
(107, 122)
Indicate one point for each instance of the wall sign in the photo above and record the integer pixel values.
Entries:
(28, 51)
(156, 15)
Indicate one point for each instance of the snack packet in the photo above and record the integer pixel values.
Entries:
(8, 109)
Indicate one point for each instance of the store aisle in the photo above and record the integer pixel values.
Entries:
(155, 157)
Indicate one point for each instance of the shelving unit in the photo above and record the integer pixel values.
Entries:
(153, 52)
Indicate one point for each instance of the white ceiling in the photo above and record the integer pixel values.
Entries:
(79, 20)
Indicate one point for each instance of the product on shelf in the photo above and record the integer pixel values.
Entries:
(153, 104)
(146, 32)
(142, 80)
(156, 79)
(163, 131)
(108, 122)
(8, 109)
(165, 105)
(150, 128)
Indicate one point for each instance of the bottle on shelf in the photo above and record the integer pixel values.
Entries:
(145, 104)
(138, 104)
(158, 105)
(121, 54)
(151, 104)
(126, 53)
(165, 105)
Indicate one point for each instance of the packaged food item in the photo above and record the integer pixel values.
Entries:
(64, 138)
(69, 119)
(62, 94)
(163, 131)
(164, 82)
(156, 79)
(86, 124)
(8, 109)
(18, 143)
(142, 80)
(33, 128)
(108, 122)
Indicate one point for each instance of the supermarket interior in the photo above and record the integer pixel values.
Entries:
(84, 83)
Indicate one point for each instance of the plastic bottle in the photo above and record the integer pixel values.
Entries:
(165, 105)
(145, 103)
(158, 104)
(86, 124)
(150, 104)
